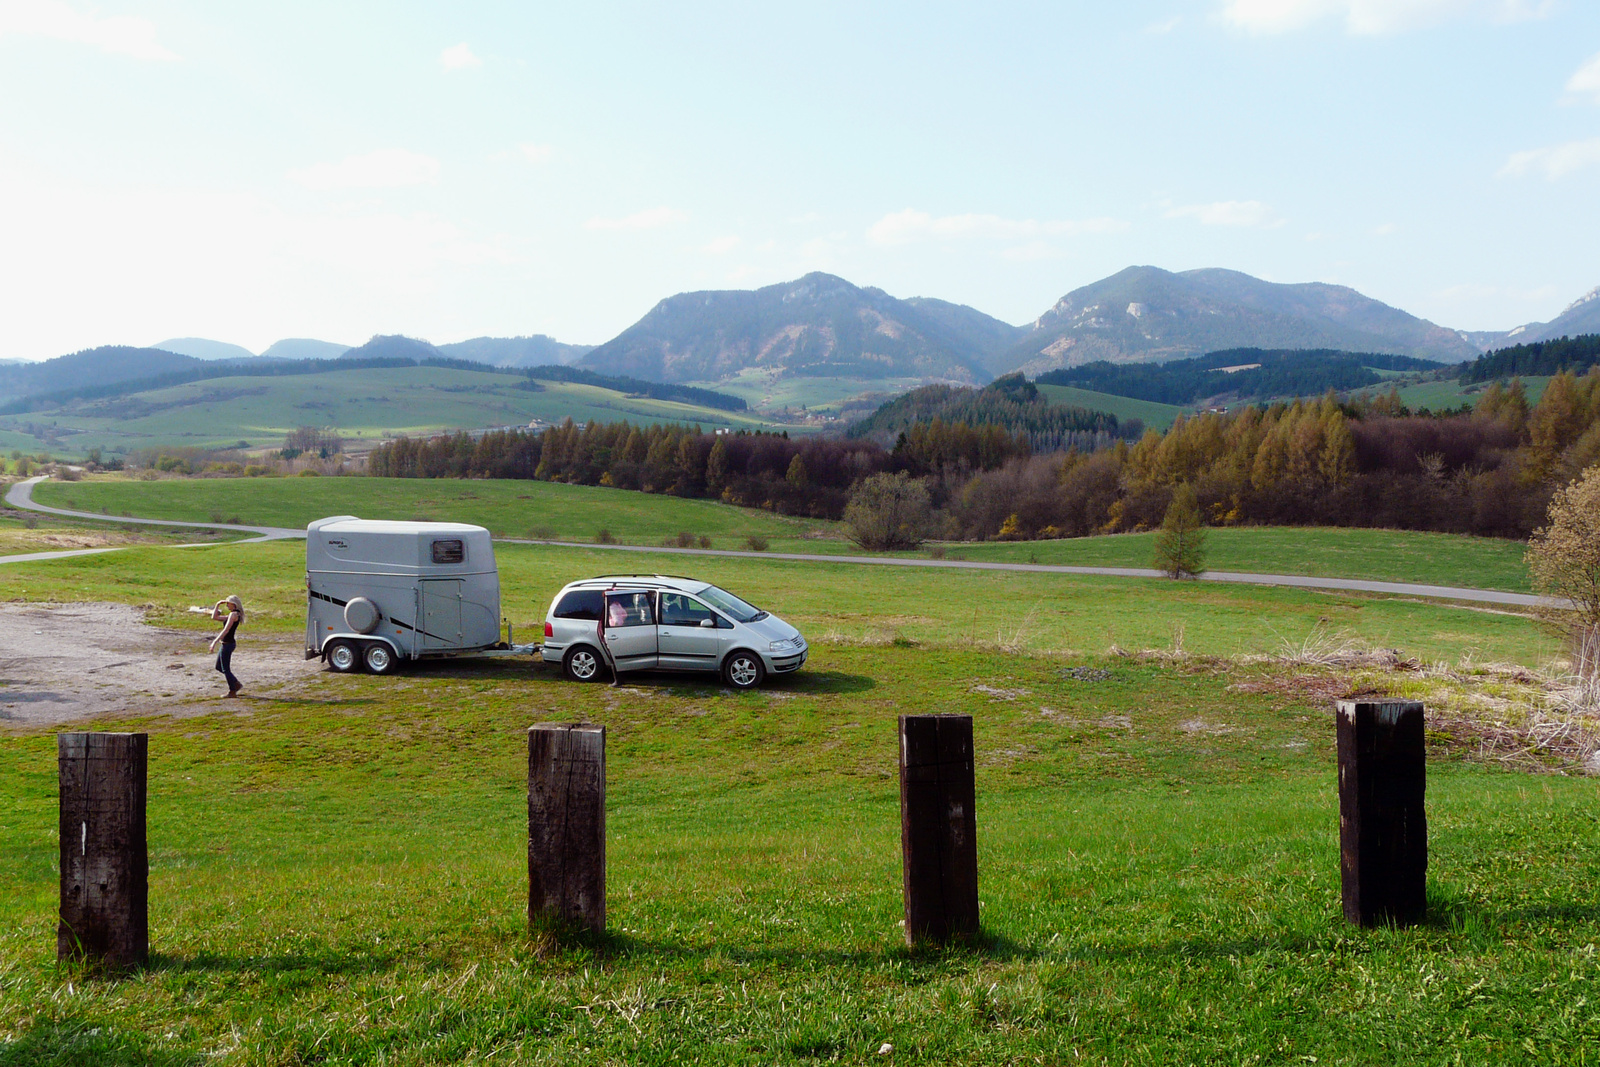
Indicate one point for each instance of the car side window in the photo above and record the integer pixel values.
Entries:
(582, 604)
(680, 610)
(629, 609)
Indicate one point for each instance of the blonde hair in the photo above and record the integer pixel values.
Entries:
(238, 605)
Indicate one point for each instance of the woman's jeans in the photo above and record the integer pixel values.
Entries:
(225, 664)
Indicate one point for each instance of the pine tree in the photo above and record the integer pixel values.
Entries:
(1181, 541)
(717, 468)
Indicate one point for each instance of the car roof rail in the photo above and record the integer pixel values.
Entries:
(674, 577)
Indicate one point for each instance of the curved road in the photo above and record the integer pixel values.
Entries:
(21, 496)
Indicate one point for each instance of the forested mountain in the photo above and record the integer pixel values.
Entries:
(1010, 403)
(989, 338)
(105, 365)
(1236, 374)
(1149, 314)
(1576, 354)
(536, 351)
(395, 346)
(1582, 316)
(818, 326)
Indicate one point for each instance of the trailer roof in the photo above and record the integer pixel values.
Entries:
(392, 526)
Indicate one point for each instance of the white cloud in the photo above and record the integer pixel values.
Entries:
(1228, 213)
(1165, 25)
(458, 57)
(904, 227)
(649, 219)
(1554, 162)
(722, 245)
(387, 168)
(1374, 17)
(1585, 81)
(537, 153)
(123, 35)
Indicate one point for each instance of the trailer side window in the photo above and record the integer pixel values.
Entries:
(581, 604)
(451, 551)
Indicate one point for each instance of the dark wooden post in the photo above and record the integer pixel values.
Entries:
(1383, 830)
(105, 865)
(938, 828)
(567, 824)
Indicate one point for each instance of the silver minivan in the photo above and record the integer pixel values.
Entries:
(662, 622)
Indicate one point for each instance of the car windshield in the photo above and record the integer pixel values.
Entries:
(730, 605)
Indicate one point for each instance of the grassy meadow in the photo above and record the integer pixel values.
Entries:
(576, 513)
(1155, 416)
(338, 867)
(363, 406)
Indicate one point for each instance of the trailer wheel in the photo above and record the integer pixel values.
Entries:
(582, 664)
(379, 659)
(342, 658)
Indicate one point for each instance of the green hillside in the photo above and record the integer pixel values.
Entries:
(1452, 393)
(1155, 416)
(362, 405)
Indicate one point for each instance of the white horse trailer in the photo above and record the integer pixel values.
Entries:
(380, 592)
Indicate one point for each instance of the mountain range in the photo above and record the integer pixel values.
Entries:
(822, 326)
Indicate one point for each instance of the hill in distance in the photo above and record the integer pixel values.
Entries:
(817, 326)
(105, 365)
(1148, 314)
(536, 351)
(304, 348)
(1580, 317)
(203, 348)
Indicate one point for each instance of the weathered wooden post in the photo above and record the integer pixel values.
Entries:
(938, 828)
(1383, 830)
(567, 824)
(105, 865)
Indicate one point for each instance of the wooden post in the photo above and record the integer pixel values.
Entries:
(938, 828)
(105, 865)
(1383, 830)
(567, 824)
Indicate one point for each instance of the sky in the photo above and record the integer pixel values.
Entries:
(247, 172)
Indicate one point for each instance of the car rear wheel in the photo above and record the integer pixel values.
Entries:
(342, 658)
(743, 670)
(582, 664)
(379, 659)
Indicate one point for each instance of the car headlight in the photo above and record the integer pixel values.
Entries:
(786, 645)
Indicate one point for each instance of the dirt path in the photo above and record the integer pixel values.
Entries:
(65, 662)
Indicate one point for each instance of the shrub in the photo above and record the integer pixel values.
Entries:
(256, 470)
(1564, 556)
(705, 542)
(68, 474)
(604, 537)
(756, 543)
(683, 539)
(888, 511)
(309, 473)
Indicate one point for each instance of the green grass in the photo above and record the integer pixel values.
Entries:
(1065, 614)
(362, 405)
(1323, 552)
(1437, 396)
(518, 508)
(338, 868)
(546, 510)
(766, 392)
(1156, 416)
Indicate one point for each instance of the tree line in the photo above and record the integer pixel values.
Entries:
(1576, 354)
(1490, 471)
(802, 476)
(1276, 372)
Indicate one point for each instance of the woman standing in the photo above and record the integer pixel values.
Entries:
(231, 618)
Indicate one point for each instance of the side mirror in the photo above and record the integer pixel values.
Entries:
(708, 624)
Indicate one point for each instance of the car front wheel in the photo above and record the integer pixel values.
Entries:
(582, 664)
(743, 670)
(342, 658)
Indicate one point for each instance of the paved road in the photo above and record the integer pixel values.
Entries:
(21, 496)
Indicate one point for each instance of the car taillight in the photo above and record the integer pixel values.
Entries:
(549, 631)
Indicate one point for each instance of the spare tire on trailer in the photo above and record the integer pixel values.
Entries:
(361, 615)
